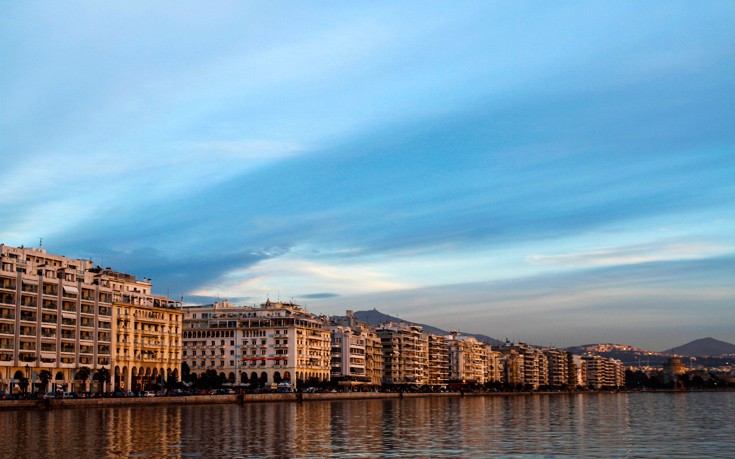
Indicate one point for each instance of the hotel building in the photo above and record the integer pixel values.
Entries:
(147, 346)
(274, 343)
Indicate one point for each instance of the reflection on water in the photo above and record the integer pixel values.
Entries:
(604, 425)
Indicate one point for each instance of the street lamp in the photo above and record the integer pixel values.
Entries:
(28, 376)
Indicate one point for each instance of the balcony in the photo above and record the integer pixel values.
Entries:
(7, 299)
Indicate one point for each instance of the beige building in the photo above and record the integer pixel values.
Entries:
(148, 327)
(438, 364)
(467, 359)
(558, 367)
(61, 315)
(534, 372)
(405, 353)
(603, 372)
(577, 368)
(274, 343)
(494, 366)
(55, 316)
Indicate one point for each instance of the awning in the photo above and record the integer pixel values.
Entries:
(30, 282)
(70, 289)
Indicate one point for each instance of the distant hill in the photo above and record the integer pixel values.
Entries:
(375, 317)
(703, 347)
(708, 352)
(629, 355)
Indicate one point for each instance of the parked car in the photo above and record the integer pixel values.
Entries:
(149, 393)
(50, 394)
(68, 395)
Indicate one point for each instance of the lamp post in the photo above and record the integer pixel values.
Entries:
(28, 376)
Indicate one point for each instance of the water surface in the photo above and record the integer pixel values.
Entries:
(580, 425)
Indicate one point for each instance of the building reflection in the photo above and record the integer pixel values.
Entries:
(578, 425)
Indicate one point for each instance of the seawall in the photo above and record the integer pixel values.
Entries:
(243, 398)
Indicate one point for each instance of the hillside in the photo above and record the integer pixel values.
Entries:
(375, 317)
(703, 347)
(629, 355)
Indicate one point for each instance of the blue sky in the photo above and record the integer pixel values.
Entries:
(557, 173)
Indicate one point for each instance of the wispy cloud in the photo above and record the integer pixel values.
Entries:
(632, 254)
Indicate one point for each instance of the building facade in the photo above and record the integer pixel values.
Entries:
(58, 323)
(467, 359)
(274, 343)
(356, 353)
(148, 346)
(405, 354)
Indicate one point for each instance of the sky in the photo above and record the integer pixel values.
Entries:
(555, 173)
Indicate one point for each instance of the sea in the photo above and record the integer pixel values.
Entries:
(604, 425)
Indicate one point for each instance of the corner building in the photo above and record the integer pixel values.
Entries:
(60, 315)
(274, 343)
(147, 348)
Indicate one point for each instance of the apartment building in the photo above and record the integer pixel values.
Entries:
(60, 315)
(273, 343)
(494, 365)
(535, 366)
(356, 353)
(467, 359)
(438, 363)
(55, 316)
(577, 368)
(558, 367)
(405, 353)
(603, 372)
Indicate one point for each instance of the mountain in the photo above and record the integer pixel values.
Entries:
(375, 317)
(703, 347)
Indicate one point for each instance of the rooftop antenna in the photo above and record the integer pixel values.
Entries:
(40, 242)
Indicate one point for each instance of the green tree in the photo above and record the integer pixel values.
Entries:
(82, 375)
(103, 375)
(45, 376)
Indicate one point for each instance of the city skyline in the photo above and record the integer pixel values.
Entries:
(557, 175)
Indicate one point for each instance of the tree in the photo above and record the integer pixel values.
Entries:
(45, 376)
(82, 375)
(103, 375)
(23, 384)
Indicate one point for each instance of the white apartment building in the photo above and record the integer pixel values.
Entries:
(356, 354)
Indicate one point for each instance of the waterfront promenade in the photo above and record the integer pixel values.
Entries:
(255, 398)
